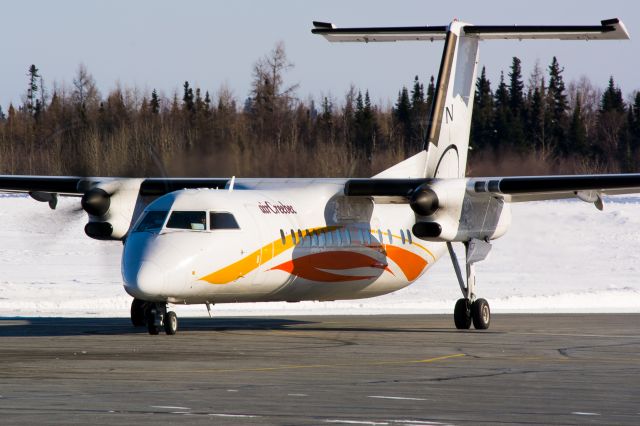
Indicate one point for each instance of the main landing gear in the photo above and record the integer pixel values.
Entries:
(154, 315)
(469, 309)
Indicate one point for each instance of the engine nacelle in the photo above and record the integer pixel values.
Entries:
(453, 214)
(111, 206)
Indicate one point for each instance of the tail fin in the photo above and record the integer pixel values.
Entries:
(448, 135)
(447, 142)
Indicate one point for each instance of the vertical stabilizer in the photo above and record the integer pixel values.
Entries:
(448, 135)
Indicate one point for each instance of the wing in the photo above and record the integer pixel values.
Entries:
(533, 188)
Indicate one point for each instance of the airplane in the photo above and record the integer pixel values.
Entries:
(227, 240)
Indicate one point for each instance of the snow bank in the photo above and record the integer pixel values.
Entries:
(559, 256)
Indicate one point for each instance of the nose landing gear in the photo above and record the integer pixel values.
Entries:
(155, 316)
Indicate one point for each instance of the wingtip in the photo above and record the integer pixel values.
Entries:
(323, 25)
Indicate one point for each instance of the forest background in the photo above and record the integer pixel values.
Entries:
(541, 126)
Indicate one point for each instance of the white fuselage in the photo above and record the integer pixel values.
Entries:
(295, 240)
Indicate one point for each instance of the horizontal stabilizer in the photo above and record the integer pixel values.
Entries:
(610, 29)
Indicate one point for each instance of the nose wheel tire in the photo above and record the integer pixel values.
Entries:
(462, 314)
(138, 308)
(171, 323)
(481, 314)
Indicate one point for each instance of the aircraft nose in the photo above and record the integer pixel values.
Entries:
(148, 282)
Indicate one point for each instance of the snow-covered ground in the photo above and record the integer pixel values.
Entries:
(559, 256)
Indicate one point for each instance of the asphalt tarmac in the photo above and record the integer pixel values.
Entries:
(368, 370)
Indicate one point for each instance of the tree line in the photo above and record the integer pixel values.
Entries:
(543, 126)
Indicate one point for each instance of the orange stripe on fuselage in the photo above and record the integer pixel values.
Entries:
(410, 263)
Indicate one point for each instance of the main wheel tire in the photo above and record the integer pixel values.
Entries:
(171, 323)
(138, 313)
(151, 323)
(462, 314)
(481, 314)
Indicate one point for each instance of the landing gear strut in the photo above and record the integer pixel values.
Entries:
(470, 310)
(157, 317)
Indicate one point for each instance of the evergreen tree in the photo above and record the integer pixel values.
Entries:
(419, 115)
(612, 129)
(2, 116)
(536, 121)
(501, 116)
(516, 87)
(187, 97)
(482, 120)
(612, 98)
(402, 116)
(634, 131)
(516, 105)
(207, 101)
(154, 103)
(32, 89)
(557, 103)
(577, 130)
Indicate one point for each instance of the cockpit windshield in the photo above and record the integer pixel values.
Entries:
(196, 221)
(152, 221)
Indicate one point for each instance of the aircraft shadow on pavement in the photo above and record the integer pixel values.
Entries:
(54, 326)
(45, 326)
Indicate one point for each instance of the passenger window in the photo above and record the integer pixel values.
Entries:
(321, 239)
(329, 238)
(195, 221)
(380, 240)
(402, 236)
(307, 238)
(300, 238)
(338, 237)
(409, 237)
(152, 221)
(390, 236)
(347, 233)
(283, 238)
(222, 220)
(316, 238)
(370, 237)
(293, 237)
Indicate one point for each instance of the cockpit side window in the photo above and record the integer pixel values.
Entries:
(152, 221)
(222, 220)
(196, 221)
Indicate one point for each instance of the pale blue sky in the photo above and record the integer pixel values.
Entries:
(159, 44)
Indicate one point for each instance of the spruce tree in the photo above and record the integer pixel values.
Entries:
(612, 127)
(482, 118)
(402, 116)
(634, 130)
(516, 86)
(536, 119)
(187, 97)
(501, 116)
(612, 98)
(577, 130)
(32, 89)
(557, 103)
(419, 112)
(154, 103)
